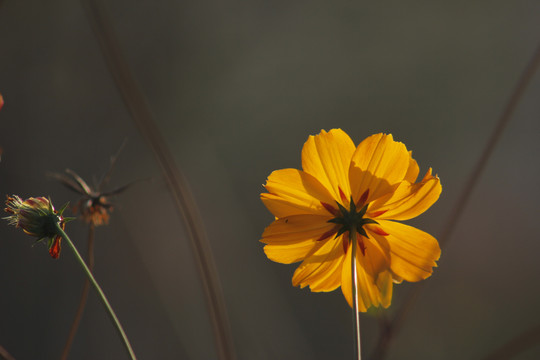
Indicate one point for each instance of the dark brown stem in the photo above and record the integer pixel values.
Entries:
(504, 119)
(181, 195)
(84, 295)
(4, 355)
(520, 343)
(395, 324)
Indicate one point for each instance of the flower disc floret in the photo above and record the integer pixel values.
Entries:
(352, 220)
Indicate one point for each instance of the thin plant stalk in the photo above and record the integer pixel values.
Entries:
(84, 295)
(354, 283)
(100, 292)
(139, 110)
(391, 327)
(4, 355)
(517, 345)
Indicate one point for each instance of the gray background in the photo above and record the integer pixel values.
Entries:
(236, 87)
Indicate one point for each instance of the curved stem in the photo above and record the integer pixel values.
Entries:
(356, 314)
(517, 345)
(84, 295)
(389, 332)
(182, 196)
(477, 171)
(100, 292)
(3, 352)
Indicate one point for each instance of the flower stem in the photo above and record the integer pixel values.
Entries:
(3, 352)
(356, 314)
(181, 194)
(84, 295)
(100, 292)
(517, 345)
(393, 326)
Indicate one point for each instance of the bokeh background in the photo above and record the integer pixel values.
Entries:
(235, 88)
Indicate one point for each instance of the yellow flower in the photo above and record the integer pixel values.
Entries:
(343, 189)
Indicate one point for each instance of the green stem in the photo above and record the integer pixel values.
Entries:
(84, 296)
(100, 292)
(356, 314)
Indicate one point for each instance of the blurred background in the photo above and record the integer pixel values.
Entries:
(236, 87)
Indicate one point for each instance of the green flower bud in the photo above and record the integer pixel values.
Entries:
(37, 217)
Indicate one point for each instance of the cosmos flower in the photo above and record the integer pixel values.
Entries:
(345, 190)
(37, 217)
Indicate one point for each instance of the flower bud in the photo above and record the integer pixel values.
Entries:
(37, 217)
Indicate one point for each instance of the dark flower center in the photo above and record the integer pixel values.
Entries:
(352, 221)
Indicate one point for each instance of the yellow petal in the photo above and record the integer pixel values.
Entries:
(321, 270)
(413, 252)
(292, 229)
(327, 157)
(292, 238)
(385, 284)
(294, 192)
(288, 254)
(408, 200)
(374, 278)
(413, 170)
(379, 164)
